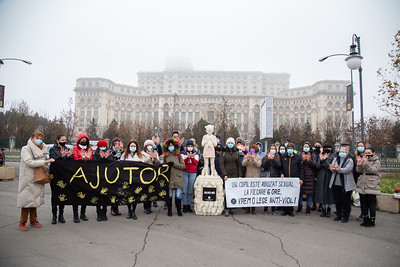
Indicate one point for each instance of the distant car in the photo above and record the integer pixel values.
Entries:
(2, 157)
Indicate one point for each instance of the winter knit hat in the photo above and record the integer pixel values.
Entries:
(230, 140)
(102, 143)
(189, 143)
(148, 142)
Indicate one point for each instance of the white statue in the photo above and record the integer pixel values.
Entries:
(209, 143)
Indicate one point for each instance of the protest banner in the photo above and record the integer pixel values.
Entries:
(261, 192)
(108, 182)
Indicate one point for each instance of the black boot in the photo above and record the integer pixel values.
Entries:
(133, 212)
(178, 206)
(75, 210)
(61, 214)
(104, 213)
(189, 209)
(83, 213)
(365, 221)
(129, 216)
(371, 222)
(98, 211)
(320, 207)
(323, 214)
(169, 205)
(299, 208)
(184, 209)
(328, 212)
(314, 206)
(54, 211)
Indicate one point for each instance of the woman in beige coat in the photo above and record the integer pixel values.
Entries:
(252, 161)
(368, 167)
(30, 194)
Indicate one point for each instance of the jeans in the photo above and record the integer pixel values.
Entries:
(324, 205)
(310, 199)
(188, 180)
(178, 193)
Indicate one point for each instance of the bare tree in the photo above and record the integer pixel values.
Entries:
(171, 123)
(69, 119)
(333, 129)
(91, 130)
(222, 121)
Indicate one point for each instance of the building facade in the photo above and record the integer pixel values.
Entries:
(191, 95)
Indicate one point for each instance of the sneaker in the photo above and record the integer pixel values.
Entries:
(22, 227)
(273, 213)
(36, 224)
(345, 219)
(337, 219)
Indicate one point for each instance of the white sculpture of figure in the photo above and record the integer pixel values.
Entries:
(209, 143)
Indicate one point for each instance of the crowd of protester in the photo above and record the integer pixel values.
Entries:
(326, 177)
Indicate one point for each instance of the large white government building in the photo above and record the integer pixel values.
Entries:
(200, 93)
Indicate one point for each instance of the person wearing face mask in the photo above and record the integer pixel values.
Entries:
(271, 163)
(262, 155)
(368, 185)
(252, 161)
(314, 156)
(342, 184)
(292, 166)
(58, 151)
(229, 162)
(218, 152)
(151, 149)
(30, 194)
(191, 160)
(102, 153)
(242, 149)
(132, 152)
(323, 194)
(171, 153)
(82, 151)
(308, 187)
(116, 148)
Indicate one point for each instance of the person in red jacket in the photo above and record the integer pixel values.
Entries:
(82, 151)
(191, 160)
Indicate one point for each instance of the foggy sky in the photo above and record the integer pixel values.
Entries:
(66, 40)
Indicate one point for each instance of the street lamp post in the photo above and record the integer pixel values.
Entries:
(353, 61)
(15, 59)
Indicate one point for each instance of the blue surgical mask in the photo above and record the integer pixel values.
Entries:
(171, 148)
(286, 145)
(290, 151)
(38, 142)
(103, 148)
(196, 150)
(190, 149)
(342, 154)
(154, 146)
(306, 149)
(360, 149)
(230, 146)
(132, 149)
(282, 151)
(273, 151)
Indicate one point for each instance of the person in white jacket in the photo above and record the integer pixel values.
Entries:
(30, 194)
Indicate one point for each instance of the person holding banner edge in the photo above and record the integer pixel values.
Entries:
(292, 166)
(230, 165)
(82, 151)
(252, 161)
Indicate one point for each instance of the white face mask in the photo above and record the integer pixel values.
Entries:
(149, 148)
(83, 147)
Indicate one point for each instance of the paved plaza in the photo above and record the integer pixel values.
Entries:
(158, 240)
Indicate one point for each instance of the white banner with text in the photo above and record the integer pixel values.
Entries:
(260, 192)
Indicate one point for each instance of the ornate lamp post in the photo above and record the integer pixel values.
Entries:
(353, 61)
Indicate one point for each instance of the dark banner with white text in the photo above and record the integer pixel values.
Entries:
(108, 182)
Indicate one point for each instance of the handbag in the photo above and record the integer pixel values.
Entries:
(42, 175)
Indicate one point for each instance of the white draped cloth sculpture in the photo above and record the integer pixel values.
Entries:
(209, 143)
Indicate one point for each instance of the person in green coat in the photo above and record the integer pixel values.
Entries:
(171, 153)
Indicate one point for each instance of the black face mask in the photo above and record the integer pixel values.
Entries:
(327, 150)
(218, 149)
(62, 143)
(369, 156)
(317, 148)
(84, 143)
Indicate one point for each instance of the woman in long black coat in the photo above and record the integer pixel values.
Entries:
(323, 194)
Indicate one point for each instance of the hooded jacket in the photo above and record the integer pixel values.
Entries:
(30, 194)
(369, 180)
(176, 178)
(77, 150)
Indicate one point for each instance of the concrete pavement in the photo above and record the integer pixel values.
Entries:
(156, 239)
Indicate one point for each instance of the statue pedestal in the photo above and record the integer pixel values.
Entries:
(209, 195)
